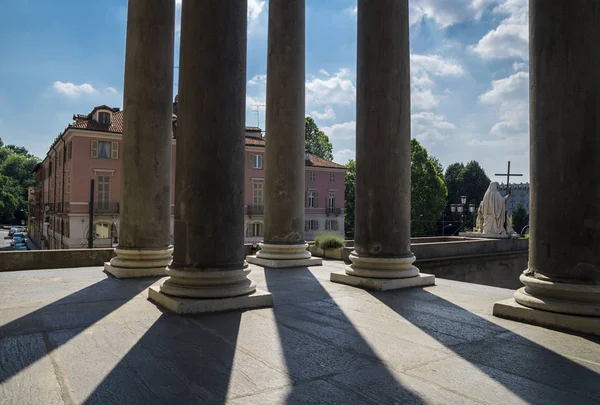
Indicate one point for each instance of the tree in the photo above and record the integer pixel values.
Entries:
(451, 178)
(473, 182)
(16, 166)
(350, 198)
(519, 218)
(428, 191)
(317, 142)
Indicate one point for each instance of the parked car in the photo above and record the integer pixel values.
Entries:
(12, 231)
(17, 239)
(20, 246)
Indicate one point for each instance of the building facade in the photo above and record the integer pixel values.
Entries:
(89, 149)
(519, 195)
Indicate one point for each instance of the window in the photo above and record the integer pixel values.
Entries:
(67, 228)
(331, 225)
(257, 162)
(312, 177)
(104, 118)
(257, 193)
(332, 177)
(102, 231)
(69, 150)
(254, 230)
(102, 192)
(312, 199)
(331, 200)
(311, 225)
(104, 150)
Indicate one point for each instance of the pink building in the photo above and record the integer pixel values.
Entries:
(89, 149)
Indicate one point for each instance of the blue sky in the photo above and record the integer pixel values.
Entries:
(469, 73)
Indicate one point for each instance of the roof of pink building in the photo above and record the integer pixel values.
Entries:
(86, 122)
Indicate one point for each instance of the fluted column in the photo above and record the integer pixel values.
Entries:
(284, 244)
(208, 262)
(564, 253)
(145, 207)
(383, 177)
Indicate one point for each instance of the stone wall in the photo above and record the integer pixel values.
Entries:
(54, 259)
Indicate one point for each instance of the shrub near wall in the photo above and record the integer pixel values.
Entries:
(331, 244)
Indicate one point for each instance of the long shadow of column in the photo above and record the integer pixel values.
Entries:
(176, 361)
(528, 370)
(328, 360)
(23, 341)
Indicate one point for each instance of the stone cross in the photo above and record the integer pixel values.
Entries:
(508, 174)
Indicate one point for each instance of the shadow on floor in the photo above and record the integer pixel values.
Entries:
(25, 338)
(328, 360)
(532, 372)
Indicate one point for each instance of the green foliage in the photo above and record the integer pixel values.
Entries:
(519, 218)
(317, 142)
(428, 191)
(16, 165)
(350, 198)
(329, 241)
(470, 181)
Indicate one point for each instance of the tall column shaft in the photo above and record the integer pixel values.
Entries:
(383, 183)
(209, 181)
(144, 247)
(285, 145)
(564, 258)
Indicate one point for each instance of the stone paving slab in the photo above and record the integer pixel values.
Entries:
(79, 336)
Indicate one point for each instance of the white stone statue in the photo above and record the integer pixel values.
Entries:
(479, 221)
(493, 209)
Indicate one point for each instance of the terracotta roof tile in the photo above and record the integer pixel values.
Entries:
(116, 124)
(251, 141)
(317, 161)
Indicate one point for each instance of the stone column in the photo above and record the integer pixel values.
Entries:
(564, 249)
(284, 244)
(208, 262)
(382, 258)
(144, 248)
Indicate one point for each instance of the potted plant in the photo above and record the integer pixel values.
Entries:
(331, 244)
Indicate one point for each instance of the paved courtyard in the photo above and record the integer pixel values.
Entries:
(77, 336)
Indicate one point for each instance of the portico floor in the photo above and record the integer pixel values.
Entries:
(80, 336)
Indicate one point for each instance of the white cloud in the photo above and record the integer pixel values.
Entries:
(509, 97)
(343, 131)
(112, 90)
(517, 67)
(258, 80)
(510, 39)
(255, 8)
(327, 114)
(334, 89)
(430, 127)
(422, 68)
(343, 156)
(449, 12)
(509, 88)
(73, 90)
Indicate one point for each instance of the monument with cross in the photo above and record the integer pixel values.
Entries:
(494, 205)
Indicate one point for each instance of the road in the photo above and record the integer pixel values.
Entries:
(4, 243)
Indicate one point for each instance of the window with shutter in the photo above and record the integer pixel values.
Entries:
(114, 152)
(94, 149)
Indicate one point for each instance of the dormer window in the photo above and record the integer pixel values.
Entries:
(104, 117)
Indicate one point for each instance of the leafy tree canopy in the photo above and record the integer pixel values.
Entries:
(317, 142)
(519, 218)
(349, 198)
(428, 191)
(16, 165)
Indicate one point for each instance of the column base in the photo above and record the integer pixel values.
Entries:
(387, 268)
(284, 256)
(511, 309)
(132, 263)
(257, 299)
(205, 283)
(283, 264)
(383, 284)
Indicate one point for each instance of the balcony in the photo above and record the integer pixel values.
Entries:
(106, 207)
(255, 210)
(334, 211)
